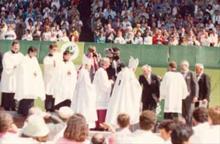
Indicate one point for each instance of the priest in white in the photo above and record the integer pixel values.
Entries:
(84, 99)
(126, 95)
(30, 84)
(64, 81)
(51, 62)
(173, 90)
(11, 60)
(103, 89)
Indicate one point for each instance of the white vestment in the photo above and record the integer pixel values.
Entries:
(64, 81)
(10, 64)
(30, 84)
(173, 89)
(84, 99)
(50, 67)
(103, 88)
(126, 98)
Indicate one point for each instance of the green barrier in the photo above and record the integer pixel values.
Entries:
(154, 55)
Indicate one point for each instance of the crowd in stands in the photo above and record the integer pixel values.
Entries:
(167, 22)
(65, 127)
(49, 20)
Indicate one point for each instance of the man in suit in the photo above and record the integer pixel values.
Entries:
(1, 68)
(204, 86)
(193, 89)
(151, 86)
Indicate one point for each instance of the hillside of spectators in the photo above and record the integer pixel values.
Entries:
(168, 22)
(49, 20)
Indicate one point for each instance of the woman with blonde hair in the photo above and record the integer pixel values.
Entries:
(76, 131)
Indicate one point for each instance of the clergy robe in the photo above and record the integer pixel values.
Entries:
(30, 84)
(173, 90)
(10, 63)
(64, 82)
(51, 63)
(84, 99)
(103, 89)
(126, 98)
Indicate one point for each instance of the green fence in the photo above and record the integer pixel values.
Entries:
(155, 55)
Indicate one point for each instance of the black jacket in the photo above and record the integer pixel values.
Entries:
(204, 87)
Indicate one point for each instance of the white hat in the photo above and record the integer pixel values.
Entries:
(35, 127)
(65, 112)
(133, 63)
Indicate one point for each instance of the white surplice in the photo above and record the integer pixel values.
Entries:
(126, 98)
(10, 64)
(173, 90)
(64, 81)
(50, 67)
(30, 84)
(84, 99)
(103, 88)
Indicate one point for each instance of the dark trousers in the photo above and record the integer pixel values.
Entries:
(62, 104)
(187, 110)
(49, 103)
(8, 101)
(170, 115)
(25, 105)
(149, 106)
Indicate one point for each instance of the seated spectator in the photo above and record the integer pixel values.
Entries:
(98, 139)
(158, 37)
(10, 33)
(148, 40)
(27, 36)
(165, 128)
(138, 39)
(119, 39)
(35, 128)
(181, 134)
(76, 131)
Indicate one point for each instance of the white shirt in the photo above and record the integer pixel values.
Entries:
(10, 35)
(119, 40)
(148, 40)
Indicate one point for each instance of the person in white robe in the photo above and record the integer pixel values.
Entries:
(11, 60)
(84, 99)
(173, 90)
(103, 89)
(51, 62)
(30, 84)
(64, 81)
(126, 95)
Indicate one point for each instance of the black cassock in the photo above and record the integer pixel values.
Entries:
(150, 93)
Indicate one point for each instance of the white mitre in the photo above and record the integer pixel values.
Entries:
(133, 63)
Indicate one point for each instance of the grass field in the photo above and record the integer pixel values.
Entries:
(215, 84)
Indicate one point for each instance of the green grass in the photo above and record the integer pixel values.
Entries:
(215, 85)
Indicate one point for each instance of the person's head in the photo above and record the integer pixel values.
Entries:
(199, 68)
(15, 46)
(67, 55)
(6, 121)
(105, 63)
(146, 69)
(119, 34)
(200, 115)
(184, 66)
(165, 128)
(147, 120)
(32, 51)
(53, 48)
(91, 51)
(36, 128)
(172, 66)
(98, 139)
(77, 129)
(65, 113)
(214, 115)
(181, 134)
(123, 120)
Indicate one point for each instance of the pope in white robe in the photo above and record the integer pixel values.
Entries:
(10, 62)
(64, 81)
(173, 90)
(84, 99)
(126, 95)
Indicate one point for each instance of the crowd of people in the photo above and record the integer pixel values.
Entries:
(166, 22)
(50, 20)
(104, 94)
